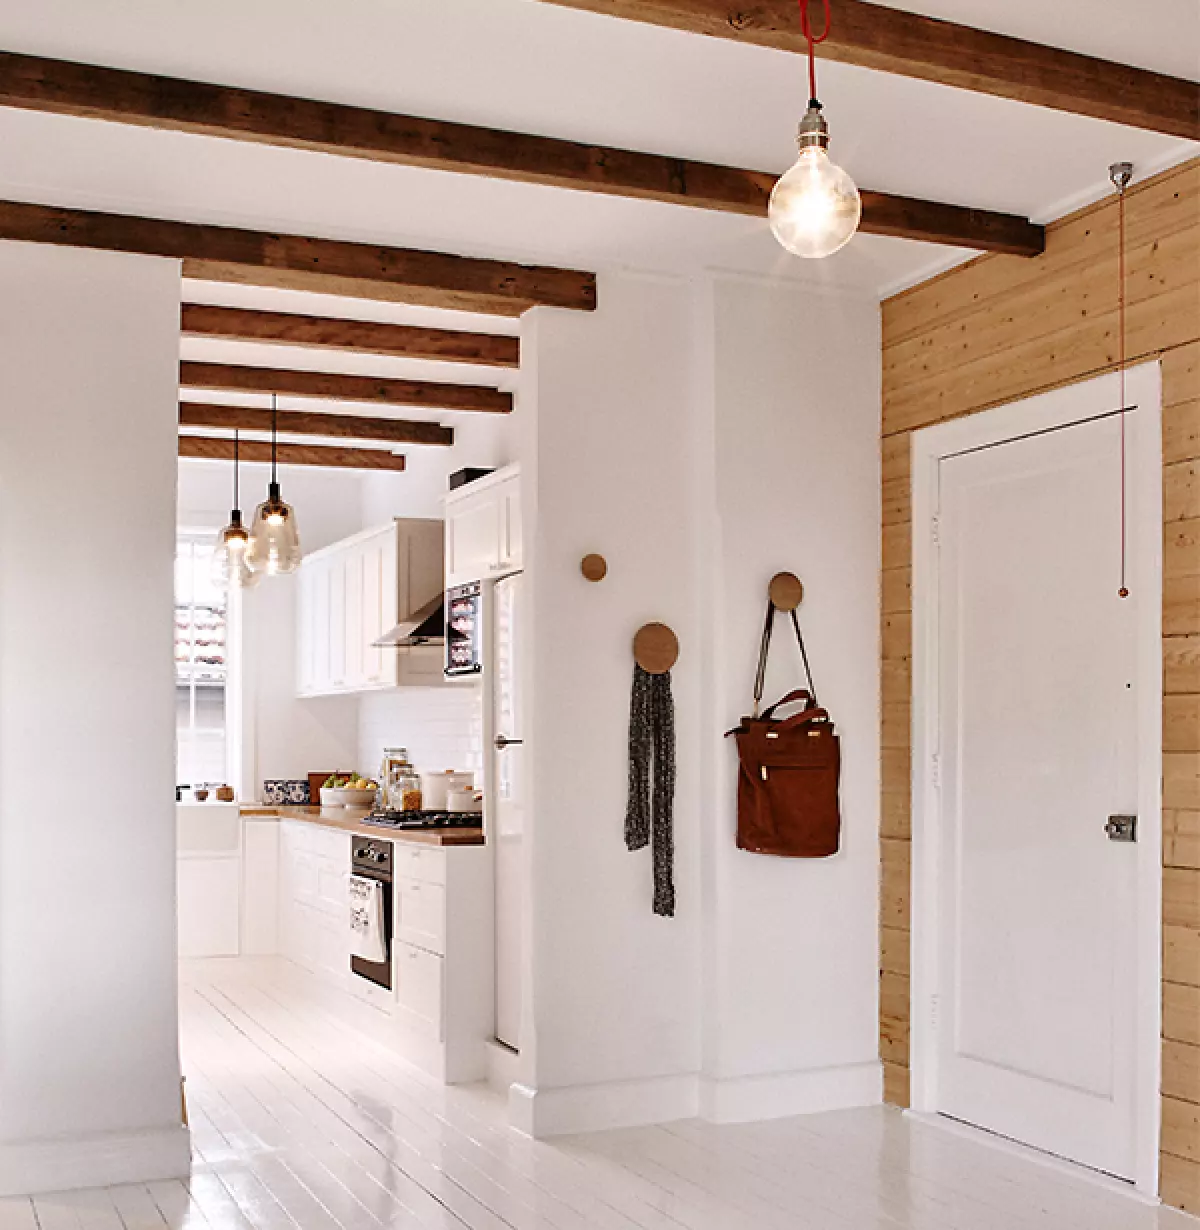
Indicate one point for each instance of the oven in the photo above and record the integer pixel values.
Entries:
(372, 859)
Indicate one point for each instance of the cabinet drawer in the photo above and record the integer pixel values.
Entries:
(419, 987)
(421, 915)
(424, 863)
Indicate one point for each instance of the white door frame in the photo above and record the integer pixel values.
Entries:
(1046, 412)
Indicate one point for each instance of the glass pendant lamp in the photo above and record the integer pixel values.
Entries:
(229, 567)
(274, 546)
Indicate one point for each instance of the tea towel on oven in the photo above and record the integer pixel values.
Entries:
(366, 919)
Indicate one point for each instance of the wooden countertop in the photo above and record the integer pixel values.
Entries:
(350, 820)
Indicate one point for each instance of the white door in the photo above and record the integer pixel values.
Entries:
(1036, 748)
(507, 823)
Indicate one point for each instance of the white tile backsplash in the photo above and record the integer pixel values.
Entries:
(441, 727)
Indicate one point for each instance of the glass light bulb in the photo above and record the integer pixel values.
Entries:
(815, 207)
(229, 568)
(274, 546)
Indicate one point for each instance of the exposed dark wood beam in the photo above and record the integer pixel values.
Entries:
(335, 333)
(189, 106)
(332, 266)
(910, 45)
(213, 449)
(304, 423)
(333, 387)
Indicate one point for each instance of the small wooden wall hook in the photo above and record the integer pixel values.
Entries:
(655, 648)
(594, 567)
(786, 591)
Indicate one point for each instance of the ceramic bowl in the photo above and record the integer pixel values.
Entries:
(346, 798)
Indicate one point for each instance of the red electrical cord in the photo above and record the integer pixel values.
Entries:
(1123, 592)
(813, 40)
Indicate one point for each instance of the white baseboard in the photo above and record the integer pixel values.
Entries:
(30, 1167)
(595, 1108)
(503, 1067)
(775, 1095)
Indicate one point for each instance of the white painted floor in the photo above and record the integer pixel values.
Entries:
(303, 1117)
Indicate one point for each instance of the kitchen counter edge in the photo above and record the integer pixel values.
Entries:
(350, 820)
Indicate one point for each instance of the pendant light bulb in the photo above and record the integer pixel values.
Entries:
(815, 207)
(274, 544)
(229, 568)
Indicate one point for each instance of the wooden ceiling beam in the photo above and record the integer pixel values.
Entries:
(213, 449)
(361, 336)
(892, 40)
(168, 103)
(304, 423)
(337, 387)
(295, 262)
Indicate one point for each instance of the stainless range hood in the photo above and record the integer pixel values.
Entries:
(425, 626)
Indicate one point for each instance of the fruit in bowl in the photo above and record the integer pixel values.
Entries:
(348, 790)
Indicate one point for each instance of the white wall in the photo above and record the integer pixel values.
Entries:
(607, 466)
(89, 1081)
(480, 440)
(791, 945)
(702, 436)
(442, 728)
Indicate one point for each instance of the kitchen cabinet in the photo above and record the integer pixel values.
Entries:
(483, 528)
(352, 592)
(314, 901)
(208, 879)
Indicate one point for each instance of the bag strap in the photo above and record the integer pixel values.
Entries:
(764, 648)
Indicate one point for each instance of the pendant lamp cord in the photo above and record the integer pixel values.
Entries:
(274, 411)
(813, 40)
(236, 493)
(1123, 591)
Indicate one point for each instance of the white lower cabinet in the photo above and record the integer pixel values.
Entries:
(443, 966)
(419, 988)
(314, 903)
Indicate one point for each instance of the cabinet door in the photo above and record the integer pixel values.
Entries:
(337, 622)
(355, 635)
(473, 538)
(372, 607)
(321, 643)
(510, 524)
(305, 626)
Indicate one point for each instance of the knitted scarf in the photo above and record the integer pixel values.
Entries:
(652, 738)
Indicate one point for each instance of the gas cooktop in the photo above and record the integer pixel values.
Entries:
(424, 819)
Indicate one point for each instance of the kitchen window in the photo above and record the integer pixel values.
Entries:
(201, 664)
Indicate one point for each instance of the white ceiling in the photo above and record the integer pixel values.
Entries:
(531, 67)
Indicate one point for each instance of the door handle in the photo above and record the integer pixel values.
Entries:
(1121, 828)
(501, 742)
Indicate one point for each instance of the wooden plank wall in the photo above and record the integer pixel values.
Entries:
(992, 331)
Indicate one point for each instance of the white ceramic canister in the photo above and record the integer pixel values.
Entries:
(464, 799)
(436, 787)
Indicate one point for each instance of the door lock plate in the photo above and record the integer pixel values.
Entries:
(1121, 828)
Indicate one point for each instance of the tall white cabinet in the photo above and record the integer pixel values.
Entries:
(352, 592)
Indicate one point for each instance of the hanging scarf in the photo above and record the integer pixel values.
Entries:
(648, 812)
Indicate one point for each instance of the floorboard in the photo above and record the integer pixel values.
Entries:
(305, 1117)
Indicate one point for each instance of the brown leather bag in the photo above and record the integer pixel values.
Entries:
(787, 800)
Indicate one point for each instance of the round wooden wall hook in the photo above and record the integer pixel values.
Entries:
(786, 591)
(655, 648)
(594, 567)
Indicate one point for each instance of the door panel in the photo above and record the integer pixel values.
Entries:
(1037, 747)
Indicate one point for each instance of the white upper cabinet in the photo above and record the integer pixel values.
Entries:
(483, 528)
(350, 593)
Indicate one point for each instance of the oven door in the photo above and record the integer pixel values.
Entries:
(378, 972)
